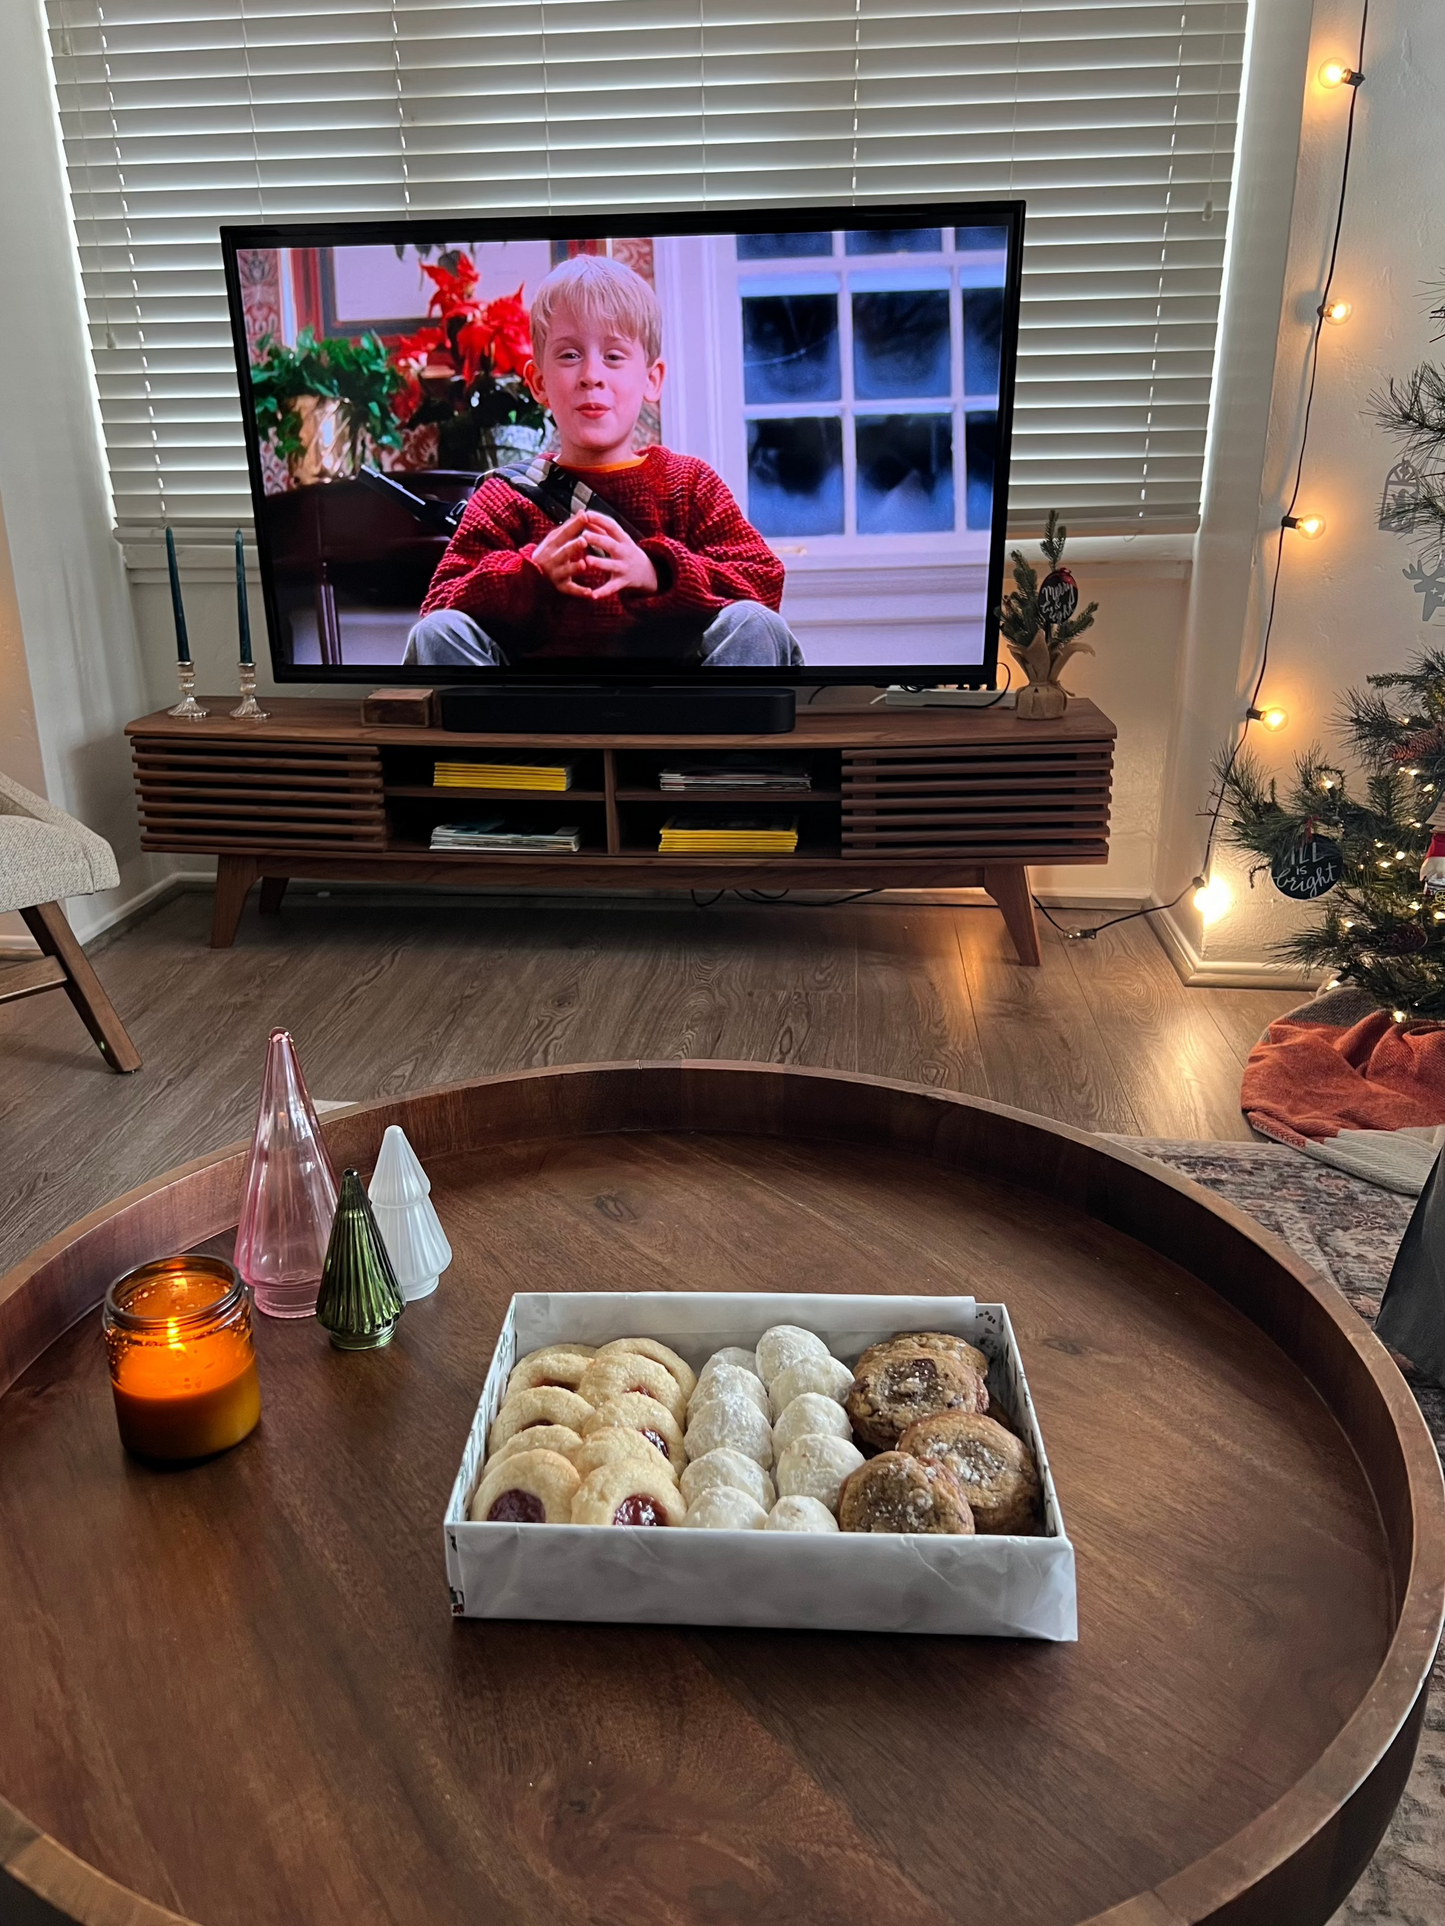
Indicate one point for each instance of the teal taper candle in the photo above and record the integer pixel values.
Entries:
(183, 647)
(243, 617)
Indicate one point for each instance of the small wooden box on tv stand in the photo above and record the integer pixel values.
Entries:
(901, 799)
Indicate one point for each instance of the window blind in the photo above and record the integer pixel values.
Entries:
(1115, 119)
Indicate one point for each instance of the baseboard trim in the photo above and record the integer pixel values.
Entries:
(1225, 973)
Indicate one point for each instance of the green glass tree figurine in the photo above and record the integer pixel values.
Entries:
(360, 1300)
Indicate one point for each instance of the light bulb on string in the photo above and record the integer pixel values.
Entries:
(1339, 73)
(1212, 898)
(1336, 312)
(1311, 526)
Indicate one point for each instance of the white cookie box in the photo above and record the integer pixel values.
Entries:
(850, 1581)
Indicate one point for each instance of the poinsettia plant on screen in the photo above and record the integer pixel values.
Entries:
(463, 370)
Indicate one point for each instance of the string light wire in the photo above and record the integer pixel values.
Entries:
(1252, 712)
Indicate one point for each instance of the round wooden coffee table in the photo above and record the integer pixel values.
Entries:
(235, 1693)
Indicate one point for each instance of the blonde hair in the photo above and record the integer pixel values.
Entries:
(602, 291)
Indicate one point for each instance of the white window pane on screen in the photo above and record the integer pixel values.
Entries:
(1115, 121)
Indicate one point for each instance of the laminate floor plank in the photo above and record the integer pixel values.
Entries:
(1041, 1046)
(390, 994)
(914, 1016)
(1242, 1016)
(1151, 1024)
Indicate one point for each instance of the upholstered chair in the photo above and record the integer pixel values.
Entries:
(46, 856)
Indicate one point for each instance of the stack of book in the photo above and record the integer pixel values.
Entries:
(711, 836)
(767, 778)
(491, 833)
(503, 775)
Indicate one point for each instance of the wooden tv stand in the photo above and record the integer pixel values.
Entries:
(901, 799)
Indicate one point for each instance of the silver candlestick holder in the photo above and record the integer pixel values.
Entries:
(188, 705)
(249, 708)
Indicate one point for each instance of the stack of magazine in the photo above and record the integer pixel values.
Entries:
(743, 772)
(737, 836)
(491, 833)
(502, 775)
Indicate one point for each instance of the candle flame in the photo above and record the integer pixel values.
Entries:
(173, 1334)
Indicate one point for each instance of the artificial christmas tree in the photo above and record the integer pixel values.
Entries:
(289, 1192)
(359, 1301)
(401, 1204)
(1383, 926)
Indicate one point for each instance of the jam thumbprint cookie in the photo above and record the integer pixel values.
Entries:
(627, 1493)
(527, 1488)
(635, 1412)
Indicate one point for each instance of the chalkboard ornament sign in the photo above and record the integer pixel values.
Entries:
(1308, 870)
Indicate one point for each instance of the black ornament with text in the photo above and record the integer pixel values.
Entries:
(1058, 598)
(1309, 870)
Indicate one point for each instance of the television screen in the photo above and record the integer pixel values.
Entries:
(762, 447)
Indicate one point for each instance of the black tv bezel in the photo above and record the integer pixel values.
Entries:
(603, 223)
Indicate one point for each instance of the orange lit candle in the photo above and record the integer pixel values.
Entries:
(182, 1364)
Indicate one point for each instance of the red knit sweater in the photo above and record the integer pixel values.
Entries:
(706, 554)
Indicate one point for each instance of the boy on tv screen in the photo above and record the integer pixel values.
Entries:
(600, 550)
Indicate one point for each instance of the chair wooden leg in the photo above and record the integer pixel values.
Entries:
(234, 877)
(47, 923)
(1008, 885)
(273, 888)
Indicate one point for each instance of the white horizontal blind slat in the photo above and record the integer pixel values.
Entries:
(1115, 119)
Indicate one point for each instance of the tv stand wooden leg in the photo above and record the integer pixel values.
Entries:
(234, 877)
(273, 888)
(1008, 885)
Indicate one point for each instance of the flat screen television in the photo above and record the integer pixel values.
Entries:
(738, 446)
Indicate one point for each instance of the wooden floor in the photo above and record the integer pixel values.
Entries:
(395, 996)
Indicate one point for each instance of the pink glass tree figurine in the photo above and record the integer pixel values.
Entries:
(289, 1198)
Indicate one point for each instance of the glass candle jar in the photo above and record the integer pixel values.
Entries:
(182, 1363)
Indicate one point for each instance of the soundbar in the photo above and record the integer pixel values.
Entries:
(576, 709)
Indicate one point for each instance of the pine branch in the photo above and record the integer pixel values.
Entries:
(1055, 535)
(1414, 408)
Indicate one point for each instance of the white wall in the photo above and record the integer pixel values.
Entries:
(1345, 609)
(66, 574)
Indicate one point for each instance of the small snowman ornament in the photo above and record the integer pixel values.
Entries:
(400, 1194)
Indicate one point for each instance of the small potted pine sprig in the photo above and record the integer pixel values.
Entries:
(1041, 622)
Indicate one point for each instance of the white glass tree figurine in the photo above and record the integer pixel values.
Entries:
(400, 1194)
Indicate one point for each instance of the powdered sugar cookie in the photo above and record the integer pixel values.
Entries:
(783, 1345)
(825, 1376)
(725, 1508)
(817, 1467)
(733, 1420)
(799, 1513)
(730, 1354)
(811, 1415)
(724, 1469)
(730, 1378)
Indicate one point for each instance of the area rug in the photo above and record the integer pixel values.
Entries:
(1349, 1231)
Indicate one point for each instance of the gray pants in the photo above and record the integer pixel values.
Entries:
(743, 635)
